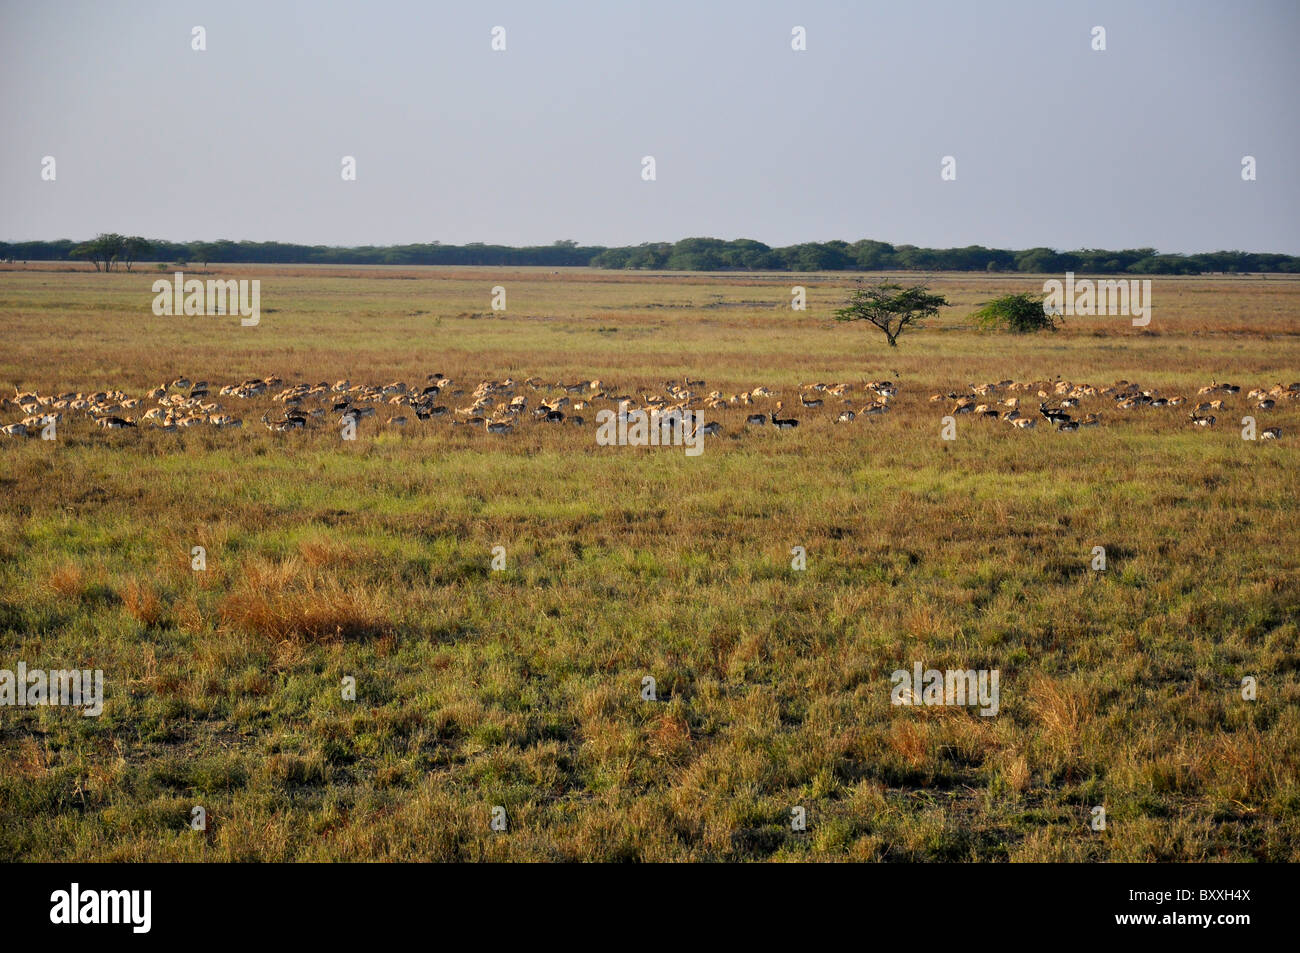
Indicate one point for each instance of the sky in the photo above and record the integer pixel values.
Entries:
(1055, 143)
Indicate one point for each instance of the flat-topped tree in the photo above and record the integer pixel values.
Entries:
(104, 249)
(134, 248)
(891, 307)
(202, 251)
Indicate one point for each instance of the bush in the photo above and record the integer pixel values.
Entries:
(1017, 313)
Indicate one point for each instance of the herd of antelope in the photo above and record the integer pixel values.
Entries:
(496, 406)
(502, 406)
(1003, 400)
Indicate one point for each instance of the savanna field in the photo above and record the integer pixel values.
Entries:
(522, 688)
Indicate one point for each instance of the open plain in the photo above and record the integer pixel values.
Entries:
(522, 688)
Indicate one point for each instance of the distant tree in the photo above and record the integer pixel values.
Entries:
(816, 256)
(1040, 260)
(133, 249)
(102, 250)
(747, 254)
(652, 255)
(612, 258)
(202, 251)
(698, 254)
(872, 256)
(1018, 313)
(891, 307)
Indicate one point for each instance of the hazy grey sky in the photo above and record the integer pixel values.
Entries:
(1055, 144)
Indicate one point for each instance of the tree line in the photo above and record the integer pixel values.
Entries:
(712, 254)
(109, 251)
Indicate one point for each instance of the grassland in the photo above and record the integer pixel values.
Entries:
(522, 688)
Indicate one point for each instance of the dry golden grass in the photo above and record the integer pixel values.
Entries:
(142, 602)
(66, 581)
(1059, 709)
(281, 602)
(321, 552)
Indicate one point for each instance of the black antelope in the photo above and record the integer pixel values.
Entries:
(1054, 416)
(109, 422)
(783, 423)
(290, 422)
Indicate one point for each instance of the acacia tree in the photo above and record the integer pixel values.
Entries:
(133, 249)
(891, 307)
(202, 251)
(103, 249)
